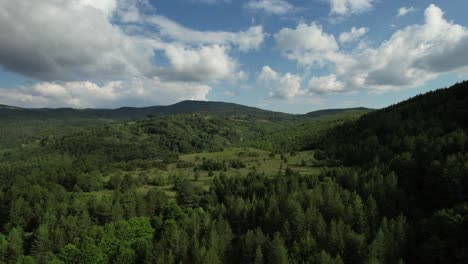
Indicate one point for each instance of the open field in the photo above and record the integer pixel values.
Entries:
(252, 160)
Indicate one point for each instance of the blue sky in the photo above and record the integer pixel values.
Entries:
(290, 56)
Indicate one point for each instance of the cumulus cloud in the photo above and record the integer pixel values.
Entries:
(289, 86)
(353, 35)
(409, 58)
(347, 7)
(307, 44)
(135, 92)
(244, 40)
(207, 63)
(283, 86)
(412, 55)
(403, 11)
(68, 40)
(446, 59)
(105, 6)
(325, 84)
(72, 45)
(305, 37)
(275, 7)
(267, 74)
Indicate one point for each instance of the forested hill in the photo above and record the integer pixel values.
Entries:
(419, 134)
(24, 125)
(208, 107)
(126, 113)
(424, 142)
(183, 107)
(328, 112)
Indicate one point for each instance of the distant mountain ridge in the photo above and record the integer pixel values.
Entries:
(9, 107)
(336, 111)
(183, 107)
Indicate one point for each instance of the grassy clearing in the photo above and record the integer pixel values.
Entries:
(254, 160)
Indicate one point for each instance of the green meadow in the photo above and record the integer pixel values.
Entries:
(254, 160)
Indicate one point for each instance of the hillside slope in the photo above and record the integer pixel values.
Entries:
(330, 112)
(415, 137)
(422, 141)
(126, 113)
(12, 113)
(22, 125)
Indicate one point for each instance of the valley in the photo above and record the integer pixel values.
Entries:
(238, 185)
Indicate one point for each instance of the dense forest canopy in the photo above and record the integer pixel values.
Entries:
(232, 184)
(423, 141)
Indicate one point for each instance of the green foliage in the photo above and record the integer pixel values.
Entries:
(278, 251)
(41, 243)
(392, 185)
(411, 159)
(15, 244)
(186, 194)
(70, 254)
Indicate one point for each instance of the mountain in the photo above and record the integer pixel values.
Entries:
(125, 113)
(23, 125)
(190, 106)
(184, 107)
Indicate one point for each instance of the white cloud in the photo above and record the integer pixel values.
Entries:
(206, 63)
(353, 35)
(135, 92)
(250, 39)
(305, 37)
(411, 56)
(403, 11)
(283, 86)
(73, 44)
(325, 84)
(68, 40)
(106, 6)
(244, 40)
(288, 86)
(307, 44)
(347, 7)
(276, 7)
(267, 74)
